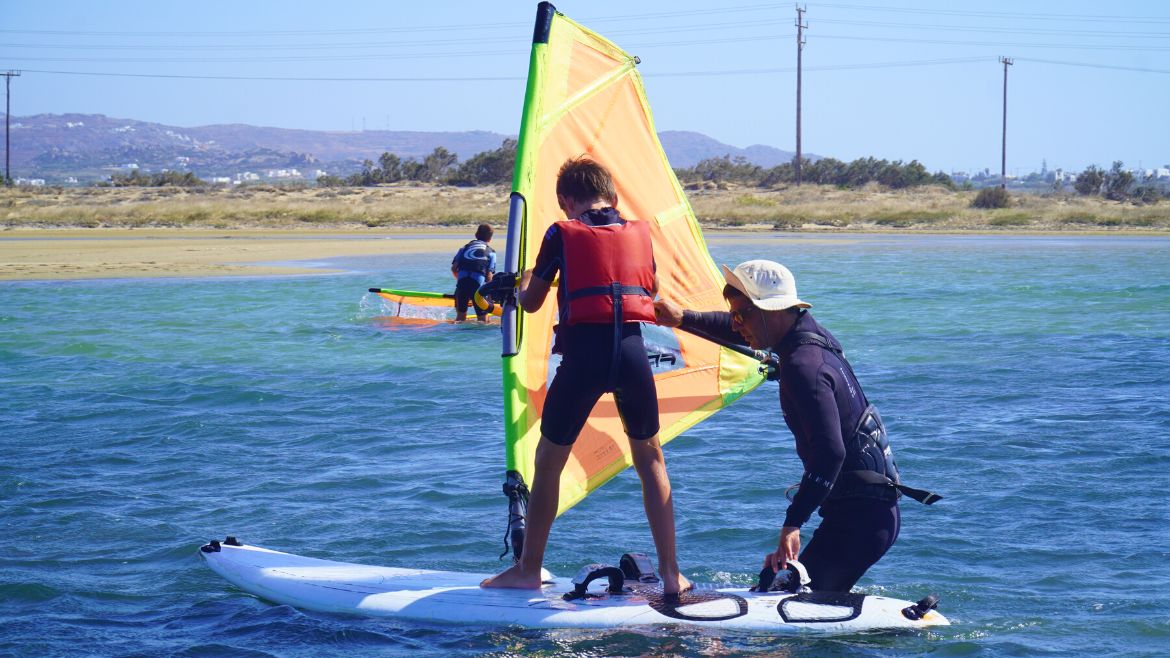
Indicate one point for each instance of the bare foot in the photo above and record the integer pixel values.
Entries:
(513, 578)
(676, 584)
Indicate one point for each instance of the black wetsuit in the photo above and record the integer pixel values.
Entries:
(586, 349)
(822, 403)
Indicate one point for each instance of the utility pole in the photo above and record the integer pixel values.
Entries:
(1003, 149)
(7, 119)
(800, 27)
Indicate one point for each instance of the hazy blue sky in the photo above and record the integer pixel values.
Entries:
(895, 79)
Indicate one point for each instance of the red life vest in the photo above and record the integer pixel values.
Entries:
(605, 266)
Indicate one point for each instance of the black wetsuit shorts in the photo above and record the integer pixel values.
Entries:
(464, 292)
(585, 373)
(853, 535)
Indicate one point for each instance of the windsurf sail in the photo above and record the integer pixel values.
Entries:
(585, 96)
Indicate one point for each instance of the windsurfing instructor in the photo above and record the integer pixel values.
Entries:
(607, 289)
(849, 470)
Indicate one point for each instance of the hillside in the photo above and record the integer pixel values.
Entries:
(89, 147)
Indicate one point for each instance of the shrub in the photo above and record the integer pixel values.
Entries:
(1089, 181)
(1146, 195)
(992, 197)
(330, 181)
(1118, 182)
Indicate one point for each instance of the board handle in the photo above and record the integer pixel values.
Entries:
(592, 572)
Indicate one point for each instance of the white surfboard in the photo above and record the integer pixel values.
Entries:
(445, 596)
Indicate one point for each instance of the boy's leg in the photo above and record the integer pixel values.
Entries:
(542, 509)
(460, 303)
(659, 504)
(637, 402)
(571, 395)
(464, 290)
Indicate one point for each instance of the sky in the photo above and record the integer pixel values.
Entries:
(903, 80)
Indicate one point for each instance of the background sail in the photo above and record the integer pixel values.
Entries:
(416, 298)
(586, 97)
(417, 308)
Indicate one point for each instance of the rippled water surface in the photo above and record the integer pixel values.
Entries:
(1025, 378)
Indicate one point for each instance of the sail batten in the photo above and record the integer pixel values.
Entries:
(585, 97)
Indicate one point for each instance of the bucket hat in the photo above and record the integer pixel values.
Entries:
(769, 285)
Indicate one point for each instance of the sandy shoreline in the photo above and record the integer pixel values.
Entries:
(62, 254)
(86, 254)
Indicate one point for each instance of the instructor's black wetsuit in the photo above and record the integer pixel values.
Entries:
(822, 403)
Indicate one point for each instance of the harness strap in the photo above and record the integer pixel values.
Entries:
(873, 477)
(798, 338)
(617, 289)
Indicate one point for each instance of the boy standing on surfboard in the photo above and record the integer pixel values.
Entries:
(607, 289)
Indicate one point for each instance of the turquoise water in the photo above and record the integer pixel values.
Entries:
(1025, 378)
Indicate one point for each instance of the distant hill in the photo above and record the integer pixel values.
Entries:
(90, 147)
(686, 149)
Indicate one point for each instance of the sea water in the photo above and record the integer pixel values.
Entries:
(1023, 378)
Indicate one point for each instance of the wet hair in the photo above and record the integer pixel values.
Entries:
(583, 179)
(484, 233)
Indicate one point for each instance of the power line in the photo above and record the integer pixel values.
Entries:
(273, 60)
(1003, 30)
(477, 78)
(400, 30)
(349, 45)
(171, 46)
(996, 44)
(516, 53)
(1008, 15)
(1136, 69)
(662, 74)
(457, 27)
(740, 38)
(628, 46)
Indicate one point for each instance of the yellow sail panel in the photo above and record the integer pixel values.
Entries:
(585, 97)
